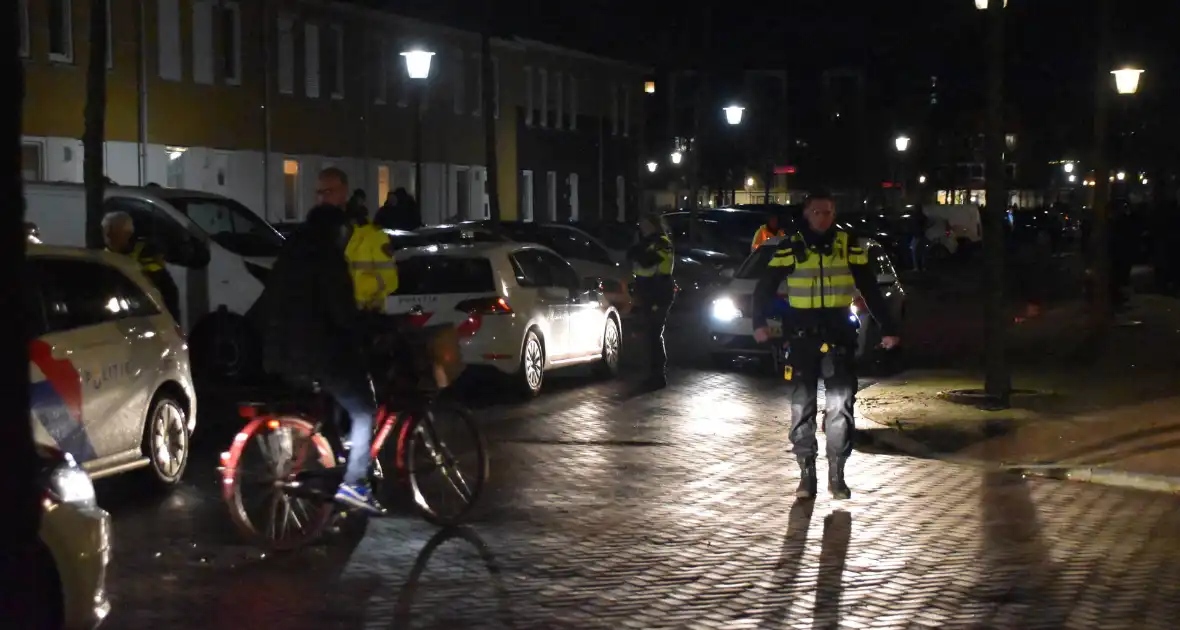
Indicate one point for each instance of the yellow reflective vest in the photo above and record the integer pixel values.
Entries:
(764, 234)
(661, 247)
(148, 262)
(818, 278)
(374, 272)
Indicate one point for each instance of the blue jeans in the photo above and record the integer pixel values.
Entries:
(357, 399)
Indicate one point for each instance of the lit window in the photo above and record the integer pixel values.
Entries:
(61, 31)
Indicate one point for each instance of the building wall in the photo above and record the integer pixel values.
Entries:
(208, 126)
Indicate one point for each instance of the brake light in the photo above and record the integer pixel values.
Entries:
(476, 310)
(247, 411)
(948, 233)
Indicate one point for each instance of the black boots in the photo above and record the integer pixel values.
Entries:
(836, 486)
(808, 484)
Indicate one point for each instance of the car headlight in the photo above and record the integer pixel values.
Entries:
(725, 310)
(70, 484)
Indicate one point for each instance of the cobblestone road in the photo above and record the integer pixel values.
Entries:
(673, 509)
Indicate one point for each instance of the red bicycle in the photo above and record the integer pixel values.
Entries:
(280, 474)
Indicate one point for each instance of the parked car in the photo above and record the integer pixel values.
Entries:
(519, 308)
(730, 328)
(286, 228)
(75, 546)
(109, 367)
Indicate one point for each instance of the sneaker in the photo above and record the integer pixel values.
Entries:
(358, 497)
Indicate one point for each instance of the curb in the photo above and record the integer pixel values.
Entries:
(898, 441)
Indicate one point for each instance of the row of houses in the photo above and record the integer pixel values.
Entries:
(252, 98)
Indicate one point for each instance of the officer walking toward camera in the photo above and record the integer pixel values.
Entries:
(651, 261)
(824, 268)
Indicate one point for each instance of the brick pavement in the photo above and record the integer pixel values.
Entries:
(671, 510)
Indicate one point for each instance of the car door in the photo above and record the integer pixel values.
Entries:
(85, 357)
(583, 312)
(537, 274)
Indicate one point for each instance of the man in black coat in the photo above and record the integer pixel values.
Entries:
(312, 331)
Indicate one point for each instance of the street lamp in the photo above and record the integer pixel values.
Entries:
(418, 69)
(1068, 167)
(749, 182)
(1126, 80)
(921, 179)
(982, 4)
(1121, 175)
(1073, 178)
(902, 143)
(676, 157)
(651, 167)
(733, 114)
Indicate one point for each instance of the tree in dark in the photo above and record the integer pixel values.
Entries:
(94, 134)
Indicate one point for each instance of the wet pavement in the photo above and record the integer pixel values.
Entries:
(671, 509)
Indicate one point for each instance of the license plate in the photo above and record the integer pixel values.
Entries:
(775, 327)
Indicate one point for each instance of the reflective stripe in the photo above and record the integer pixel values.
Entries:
(663, 248)
(825, 280)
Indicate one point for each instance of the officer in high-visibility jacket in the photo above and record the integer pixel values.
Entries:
(767, 232)
(369, 252)
(652, 259)
(118, 233)
(823, 268)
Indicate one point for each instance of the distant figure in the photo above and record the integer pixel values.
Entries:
(358, 204)
(118, 232)
(768, 231)
(918, 240)
(399, 212)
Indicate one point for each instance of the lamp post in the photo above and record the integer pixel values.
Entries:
(902, 144)
(418, 69)
(1126, 80)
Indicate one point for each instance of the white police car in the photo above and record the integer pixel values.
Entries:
(108, 366)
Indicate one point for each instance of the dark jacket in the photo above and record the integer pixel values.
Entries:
(307, 316)
(400, 212)
(832, 321)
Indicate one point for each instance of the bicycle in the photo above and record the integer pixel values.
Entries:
(304, 463)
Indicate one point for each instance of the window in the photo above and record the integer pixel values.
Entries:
(560, 272)
(32, 161)
(381, 70)
(22, 9)
(382, 183)
(526, 195)
(573, 184)
(168, 39)
(231, 43)
(551, 195)
(334, 61)
(311, 60)
(574, 245)
(231, 225)
(573, 103)
(544, 96)
(614, 111)
(203, 41)
(477, 64)
(427, 275)
(528, 96)
(626, 112)
(78, 293)
(157, 229)
(61, 31)
(558, 105)
(290, 189)
(459, 82)
(538, 268)
(110, 38)
(286, 54)
(496, 87)
(620, 198)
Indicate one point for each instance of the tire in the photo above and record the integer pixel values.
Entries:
(429, 442)
(223, 348)
(531, 376)
(166, 441)
(235, 462)
(612, 339)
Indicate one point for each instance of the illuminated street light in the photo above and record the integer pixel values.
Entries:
(733, 114)
(676, 157)
(1073, 178)
(651, 167)
(1143, 181)
(649, 87)
(1127, 80)
(902, 143)
(921, 179)
(418, 63)
(982, 4)
(750, 181)
(1068, 167)
(1121, 175)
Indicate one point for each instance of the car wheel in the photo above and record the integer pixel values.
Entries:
(532, 364)
(608, 365)
(166, 441)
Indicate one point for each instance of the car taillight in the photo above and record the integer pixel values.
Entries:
(476, 310)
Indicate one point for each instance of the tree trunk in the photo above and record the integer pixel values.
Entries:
(998, 383)
(488, 95)
(20, 598)
(1102, 300)
(95, 117)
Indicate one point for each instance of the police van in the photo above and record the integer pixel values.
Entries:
(217, 251)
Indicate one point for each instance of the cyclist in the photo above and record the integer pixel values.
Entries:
(312, 331)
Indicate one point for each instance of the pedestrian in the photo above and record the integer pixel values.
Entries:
(652, 259)
(118, 233)
(358, 204)
(312, 332)
(399, 212)
(919, 239)
(768, 231)
(824, 267)
(369, 252)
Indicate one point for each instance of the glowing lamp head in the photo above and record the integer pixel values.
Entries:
(1126, 80)
(418, 63)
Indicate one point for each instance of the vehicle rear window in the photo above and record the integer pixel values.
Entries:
(424, 275)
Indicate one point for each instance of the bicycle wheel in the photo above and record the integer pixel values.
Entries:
(259, 483)
(446, 462)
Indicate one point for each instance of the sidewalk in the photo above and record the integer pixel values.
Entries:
(1107, 414)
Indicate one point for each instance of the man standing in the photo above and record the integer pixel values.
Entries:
(824, 268)
(767, 232)
(369, 252)
(652, 259)
(118, 232)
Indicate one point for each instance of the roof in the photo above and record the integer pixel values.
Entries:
(81, 253)
(473, 249)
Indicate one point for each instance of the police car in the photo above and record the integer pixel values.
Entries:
(108, 367)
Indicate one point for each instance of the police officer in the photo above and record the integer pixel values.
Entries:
(824, 268)
(369, 252)
(118, 233)
(652, 259)
(768, 231)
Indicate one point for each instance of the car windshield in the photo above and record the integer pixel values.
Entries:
(432, 275)
(231, 225)
(756, 263)
(709, 236)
